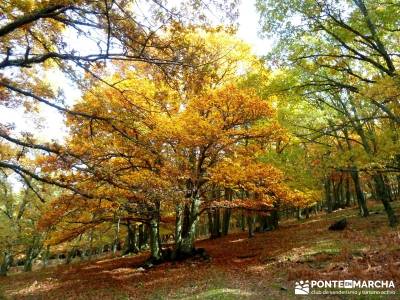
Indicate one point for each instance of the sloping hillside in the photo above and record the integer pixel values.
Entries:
(264, 267)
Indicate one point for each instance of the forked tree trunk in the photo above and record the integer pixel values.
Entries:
(32, 252)
(131, 242)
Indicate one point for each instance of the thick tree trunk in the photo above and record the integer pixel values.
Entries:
(216, 232)
(362, 204)
(188, 239)
(307, 212)
(275, 219)
(225, 221)
(383, 195)
(337, 194)
(131, 242)
(264, 223)
(388, 187)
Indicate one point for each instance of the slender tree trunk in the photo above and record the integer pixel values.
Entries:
(343, 193)
(242, 221)
(90, 252)
(373, 190)
(337, 194)
(46, 255)
(178, 229)
(227, 212)
(347, 192)
(155, 247)
(298, 213)
(28, 262)
(250, 225)
(275, 218)
(398, 185)
(210, 223)
(362, 204)
(143, 235)
(328, 194)
(116, 237)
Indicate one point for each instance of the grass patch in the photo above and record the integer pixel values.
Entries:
(221, 294)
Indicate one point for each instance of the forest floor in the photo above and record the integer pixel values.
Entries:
(263, 267)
